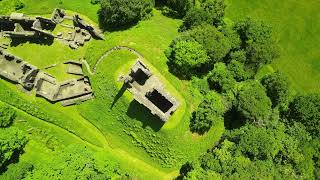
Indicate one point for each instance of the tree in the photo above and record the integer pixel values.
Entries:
(12, 142)
(263, 153)
(180, 6)
(76, 161)
(306, 109)
(253, 103)
(123, 13)
(238, 71)
(216, 9)
(186, 58)
(195, 17)
(7, 115)
(216, 43)
(209, 111)
(258, 42)
(277, 86)
(18, 170)
(210, 12)
(220, 79)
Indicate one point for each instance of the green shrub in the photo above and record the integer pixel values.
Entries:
(215, 42)
(12, 142)
(306, 109)
(123, 13)
(253, 103)
(95, 1)
(277, 86)
(221, 79)
(258, 42)
(209, 111)
(7, 115)
(238, 71)
(186, 58)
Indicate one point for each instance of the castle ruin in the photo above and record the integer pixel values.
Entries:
(148, 90)
(71, 30)
(69, 92)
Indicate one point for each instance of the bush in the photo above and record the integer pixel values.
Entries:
(216, 9)
(277, 86)
(12, 142)
(18, 5)
(210, 12)
(180, 7)
(215, 42)
(18, 171)
(209, 111)
(95, 1)
(258, 42)
(253, 103)
(220, 79)
(238, 71)
(123, 13)
(195, 17)
(186, 58)
(7, 115)
(306, 109)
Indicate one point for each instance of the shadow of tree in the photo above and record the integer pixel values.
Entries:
(232, 119)
(140, 113)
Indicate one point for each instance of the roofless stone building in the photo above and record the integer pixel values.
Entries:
(71, 30)
(69, 92)
(148, 90)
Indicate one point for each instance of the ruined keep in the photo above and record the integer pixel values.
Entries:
(148, 90)
(71, 30)
(69, 92)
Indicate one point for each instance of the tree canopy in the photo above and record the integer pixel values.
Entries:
(7, 115)
(277, 88)
(186, 58)
(12, 142)
(76, 161)
(221, 79)
(253, 103)
(215, 42)
(180, 7)
(306, 109)
(258, 42)
(210, 12)
(123, 13)
(209, 111)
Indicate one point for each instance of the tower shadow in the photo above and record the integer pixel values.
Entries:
(140, 113)
(119, 94)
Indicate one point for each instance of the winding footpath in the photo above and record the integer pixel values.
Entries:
(106, 54)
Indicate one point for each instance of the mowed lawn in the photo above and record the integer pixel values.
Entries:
(296, 25)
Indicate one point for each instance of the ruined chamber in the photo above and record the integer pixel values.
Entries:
(148, 90)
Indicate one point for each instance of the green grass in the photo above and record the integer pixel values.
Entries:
(127, 132)
(296, 26)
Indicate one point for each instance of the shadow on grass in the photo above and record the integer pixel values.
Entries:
(41, 41)
(140, 113)
(13, 160)
(119, 94)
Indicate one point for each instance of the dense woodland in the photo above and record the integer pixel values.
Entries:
(271, 131)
